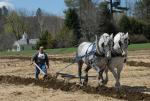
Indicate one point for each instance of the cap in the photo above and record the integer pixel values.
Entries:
(41, 47)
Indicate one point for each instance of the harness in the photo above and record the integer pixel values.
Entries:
(92, 52)
(87, 54)
(115, 54)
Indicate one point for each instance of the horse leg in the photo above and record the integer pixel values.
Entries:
(86, 75)
(106, 78)
(80, 63)
(117, 84)
(100, 78)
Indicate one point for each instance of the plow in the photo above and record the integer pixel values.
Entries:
(63, 74)
(69, 76)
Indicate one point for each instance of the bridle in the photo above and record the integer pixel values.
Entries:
(105, 40)
(120, 44)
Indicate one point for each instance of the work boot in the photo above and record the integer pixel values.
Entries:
(45, 77)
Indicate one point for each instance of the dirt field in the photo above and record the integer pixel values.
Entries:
(17, 82)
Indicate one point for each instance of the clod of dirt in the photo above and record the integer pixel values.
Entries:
(135, 63)
(8, 64)
(16, 93)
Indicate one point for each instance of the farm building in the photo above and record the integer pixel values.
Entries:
(24, 43)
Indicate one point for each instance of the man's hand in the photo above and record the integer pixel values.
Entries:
(31, 63)
(48, 66)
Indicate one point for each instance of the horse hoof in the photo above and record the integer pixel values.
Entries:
(101, 85)
(80, 84)
(118, 89)
(84, 83)
(104, 82)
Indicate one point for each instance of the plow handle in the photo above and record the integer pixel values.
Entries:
(39, 68)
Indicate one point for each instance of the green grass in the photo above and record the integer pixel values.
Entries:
(132, 47)
(31, 52)
(61, 50)
(143, 46)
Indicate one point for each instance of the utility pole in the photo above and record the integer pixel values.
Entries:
(126, 6)
(116, 7)
(111, 7)
(111, 10)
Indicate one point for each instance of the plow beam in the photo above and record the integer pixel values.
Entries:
(71, 76)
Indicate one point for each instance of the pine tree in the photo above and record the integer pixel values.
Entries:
(5, 11)
(72, 22)
(124, 24)
(45, 40)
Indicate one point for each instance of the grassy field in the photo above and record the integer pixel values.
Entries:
(132, 47)
(139, 46)
(31, 52)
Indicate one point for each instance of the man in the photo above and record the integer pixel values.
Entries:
(41, 59)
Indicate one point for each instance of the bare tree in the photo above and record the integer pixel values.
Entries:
(6, 41)
(87, 11)
(88, 17)
(15, 24)
(53, 23)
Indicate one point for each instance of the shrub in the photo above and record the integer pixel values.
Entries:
(45, 40)
(65, 38)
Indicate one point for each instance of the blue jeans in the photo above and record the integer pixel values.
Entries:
(37, 71)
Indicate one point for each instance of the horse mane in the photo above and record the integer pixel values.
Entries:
(118, 37)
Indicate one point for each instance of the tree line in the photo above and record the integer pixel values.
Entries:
(96, 18)
(14, 23)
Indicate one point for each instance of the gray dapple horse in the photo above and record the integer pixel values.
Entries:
(119, 55)
(94, 55)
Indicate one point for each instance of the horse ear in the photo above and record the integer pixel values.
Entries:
(111, 36)
(127, 34)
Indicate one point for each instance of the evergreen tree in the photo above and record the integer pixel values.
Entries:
(40, 19)
(1, 12)
(124, 24)
(39, 12)
(105, 21)
(72, 22)
(5, 11)
(45, 40)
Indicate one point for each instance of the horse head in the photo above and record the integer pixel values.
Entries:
(104, 45)
(121, 42)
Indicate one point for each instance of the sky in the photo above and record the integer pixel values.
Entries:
(51, 6)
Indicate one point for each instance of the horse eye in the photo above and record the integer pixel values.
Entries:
(126, 41)
(102, 44)
(120, 43)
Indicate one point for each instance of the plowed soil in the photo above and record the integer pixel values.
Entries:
(17, 81)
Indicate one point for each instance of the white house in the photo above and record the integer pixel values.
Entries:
(24, 41)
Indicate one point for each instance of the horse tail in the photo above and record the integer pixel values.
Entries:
(76, 57)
